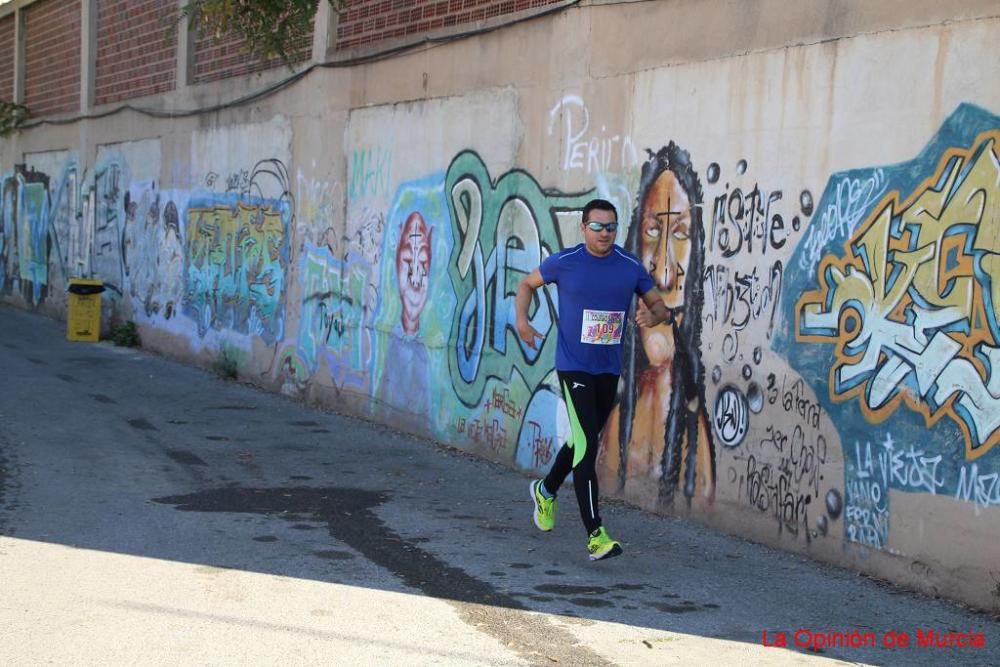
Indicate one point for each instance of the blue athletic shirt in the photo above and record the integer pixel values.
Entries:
(594, 298)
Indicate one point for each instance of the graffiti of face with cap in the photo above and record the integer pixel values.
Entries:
(413, 265)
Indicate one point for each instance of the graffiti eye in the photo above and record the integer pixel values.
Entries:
(653, 232)
(680, 233)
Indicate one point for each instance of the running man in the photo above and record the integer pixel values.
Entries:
(596, 281)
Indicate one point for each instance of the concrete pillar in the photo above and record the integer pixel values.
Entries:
(19, 33)
(88, 54)
(185, 51)
(324, 31)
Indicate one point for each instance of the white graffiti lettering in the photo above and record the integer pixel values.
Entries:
(852, 200)
(586, 148)
(983, 489)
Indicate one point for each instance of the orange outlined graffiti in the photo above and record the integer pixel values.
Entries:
(912, 304)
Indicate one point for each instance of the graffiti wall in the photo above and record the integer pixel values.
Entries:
(896, 325)
(39, 206)
(831, 383)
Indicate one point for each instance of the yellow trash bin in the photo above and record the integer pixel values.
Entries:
(83, 321)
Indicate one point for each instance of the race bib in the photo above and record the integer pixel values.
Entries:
(602, 327)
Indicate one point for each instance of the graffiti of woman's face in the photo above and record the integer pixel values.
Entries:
(413, 265)
(665, 250)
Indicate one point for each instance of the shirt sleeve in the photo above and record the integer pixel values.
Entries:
(644, 281)
(549, 268)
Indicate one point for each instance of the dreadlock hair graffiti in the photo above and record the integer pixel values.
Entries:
(687, 371)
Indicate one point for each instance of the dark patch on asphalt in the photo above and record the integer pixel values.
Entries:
(522, 566)
(300, 477)
(231, 407)
(11, 346)
(320, 430)
(303, 526)
(673, 608)
(591, 602)
(442, 510)
(217, 438)
(303, 423)
(101, 398)
(710, 605)
(141, 424)
(567, 589)
(630, 607)
(66, 378)
(333, 554)
(185, 457)
(265, 538)
(554, 573)
(351, 518)
(464, 516)
(671, 595)
(37, 361)
(499, 574)
(176, 421)
(628, 587)
(541, 598)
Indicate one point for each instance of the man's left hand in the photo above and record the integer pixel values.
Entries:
(646, 317)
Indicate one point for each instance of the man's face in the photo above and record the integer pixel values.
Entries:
(599, 242)
(665, 242)
(413, 265)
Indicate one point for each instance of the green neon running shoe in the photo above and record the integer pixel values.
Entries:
(545, 508)
(601, 546)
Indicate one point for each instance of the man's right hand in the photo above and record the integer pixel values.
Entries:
(528, 334)
(525, 291)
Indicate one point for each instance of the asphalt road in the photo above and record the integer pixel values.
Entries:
(152, 513)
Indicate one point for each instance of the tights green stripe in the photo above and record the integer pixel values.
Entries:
(578, 441)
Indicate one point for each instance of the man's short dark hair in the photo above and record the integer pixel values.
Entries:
(600, 205)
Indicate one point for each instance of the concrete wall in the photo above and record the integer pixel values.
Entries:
(355, 241)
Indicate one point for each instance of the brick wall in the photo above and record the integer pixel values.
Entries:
(136, 49)
(220, 58)
(365, 22)
(52, 56)
(7, 47)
